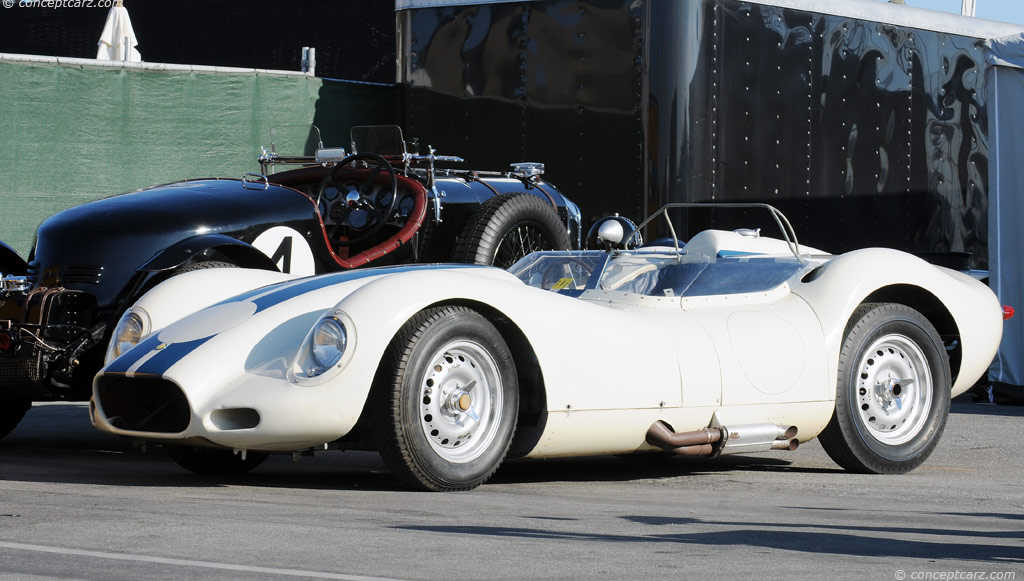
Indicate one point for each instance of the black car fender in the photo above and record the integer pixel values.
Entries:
(11, 262)
(234, 251)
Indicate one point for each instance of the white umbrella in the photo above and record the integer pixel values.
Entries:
(118, 42)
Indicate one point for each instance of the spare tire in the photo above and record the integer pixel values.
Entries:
(507, 227)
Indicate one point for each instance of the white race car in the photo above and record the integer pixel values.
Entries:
(730, 343)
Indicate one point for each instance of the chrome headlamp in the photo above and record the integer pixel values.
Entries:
(130, 330)
(328, 342)
(328, 345)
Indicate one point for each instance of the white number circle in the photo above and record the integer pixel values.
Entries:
(288, 249)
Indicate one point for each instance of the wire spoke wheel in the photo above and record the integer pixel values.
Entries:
(507, 227)
(519, 241)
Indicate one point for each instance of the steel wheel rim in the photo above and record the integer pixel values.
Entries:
(520, 240)
(461, 400)
(893, 389)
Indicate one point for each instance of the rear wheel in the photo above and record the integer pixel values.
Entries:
(446, 400)
(508, 227)
(12, 409)
(214, 462)
(893, 391)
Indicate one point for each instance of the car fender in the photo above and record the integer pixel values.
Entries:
(630, 336)
(847, 280)
(238, 252)
(11, 262)
(186, 293)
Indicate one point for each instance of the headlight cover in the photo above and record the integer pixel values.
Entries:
(327, 347)
(328, 342)
(130, 330)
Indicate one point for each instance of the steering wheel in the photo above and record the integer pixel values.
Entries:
(360, 198)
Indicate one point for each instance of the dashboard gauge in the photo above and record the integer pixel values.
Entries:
(406, 206)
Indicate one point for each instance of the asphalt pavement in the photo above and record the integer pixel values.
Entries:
(79, 504)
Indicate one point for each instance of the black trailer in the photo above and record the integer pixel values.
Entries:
(865, 121)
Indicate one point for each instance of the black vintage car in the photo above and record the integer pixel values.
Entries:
(379, 205)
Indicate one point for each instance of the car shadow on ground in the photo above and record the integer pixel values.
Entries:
(56, 443)
(126, 465)
(83, 456)
(649, 466)
(962, 405)
(942, 545)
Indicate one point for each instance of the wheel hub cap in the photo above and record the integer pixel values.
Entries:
(461, 401)
(893, 389)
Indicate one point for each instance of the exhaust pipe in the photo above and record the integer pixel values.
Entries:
(758, 438)
(715, 441)
(698, 443)
(790, 445)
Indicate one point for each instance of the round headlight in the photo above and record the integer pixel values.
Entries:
(129, 331)
(329, 341)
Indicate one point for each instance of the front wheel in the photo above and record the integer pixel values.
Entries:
(12, 409)
(214, 462)
(446, 400)
(892, 394)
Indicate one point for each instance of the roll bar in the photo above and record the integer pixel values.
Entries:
(788, 234)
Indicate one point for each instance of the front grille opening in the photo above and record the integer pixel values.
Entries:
(143, 404)
(235, 418)
(20, 372)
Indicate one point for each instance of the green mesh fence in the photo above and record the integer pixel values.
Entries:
(71, 133)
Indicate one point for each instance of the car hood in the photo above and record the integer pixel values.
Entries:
(260, 330)
(208, 205)
(114, 236)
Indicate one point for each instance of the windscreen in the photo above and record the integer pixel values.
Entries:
(558, 270)
(295, 140)
(379, 139)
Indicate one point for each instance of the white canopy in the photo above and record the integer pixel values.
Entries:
(118, 42)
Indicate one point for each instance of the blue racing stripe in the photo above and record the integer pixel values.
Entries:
(318, 282)
(124, 362)
(175, 352)
(168, 356)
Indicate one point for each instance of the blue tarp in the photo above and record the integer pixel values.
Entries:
(1005, 79)
(1007, 51)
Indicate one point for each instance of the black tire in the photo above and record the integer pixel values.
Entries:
(508, 227)
(214, 462)
(12, 409)
(203, 266)
(892, 392)
(191, 267)
(445, 401)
